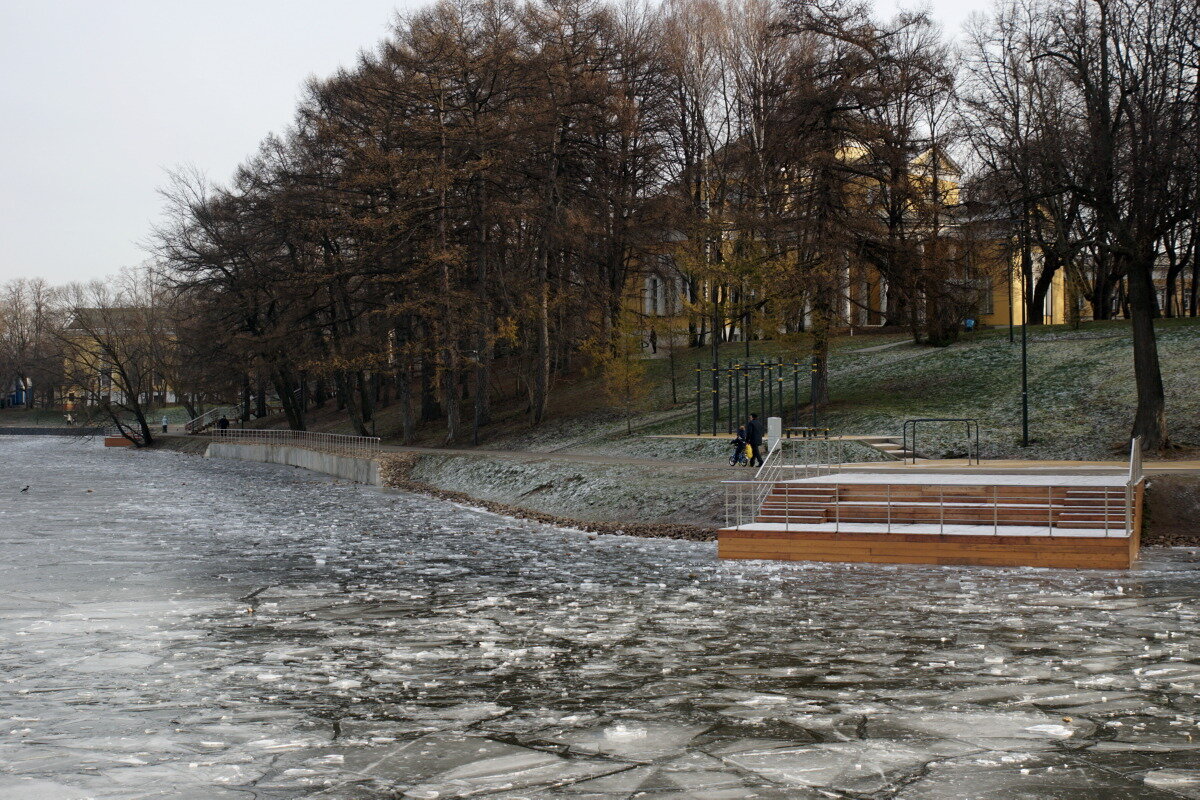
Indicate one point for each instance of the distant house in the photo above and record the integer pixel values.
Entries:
(111, 351)
(17, 394)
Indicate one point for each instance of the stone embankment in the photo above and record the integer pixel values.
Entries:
(398, 471)
(1172, 512)
(601, 495)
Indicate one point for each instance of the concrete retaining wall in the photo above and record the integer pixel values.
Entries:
(359, 470)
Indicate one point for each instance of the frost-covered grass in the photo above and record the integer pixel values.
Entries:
(699, 450)
(1081, 391)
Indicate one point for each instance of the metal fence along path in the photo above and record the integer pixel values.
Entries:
(336, 443)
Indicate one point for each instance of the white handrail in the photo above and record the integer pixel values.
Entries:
(770, 455)
(1135, 477)
(1135, 460)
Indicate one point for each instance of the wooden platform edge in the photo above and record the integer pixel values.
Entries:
(1075, 552)
(1135, 536)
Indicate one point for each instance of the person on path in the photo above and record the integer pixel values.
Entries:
(653, 341)
(754, 438)
(223, 423)
(738, 456)
(164, 423)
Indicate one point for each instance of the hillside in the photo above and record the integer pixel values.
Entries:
(1081, 395)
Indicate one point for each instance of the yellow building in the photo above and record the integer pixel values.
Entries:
(983, 271)
(109, 353)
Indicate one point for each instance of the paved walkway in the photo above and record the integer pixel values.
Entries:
(560, 455)
(1001, 466)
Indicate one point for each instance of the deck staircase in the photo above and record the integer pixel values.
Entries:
(891, 447)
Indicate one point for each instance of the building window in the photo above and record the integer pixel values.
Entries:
(987, 299)
(654, 302)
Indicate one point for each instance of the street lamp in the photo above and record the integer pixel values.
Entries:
(1024, 371)
(812, 392)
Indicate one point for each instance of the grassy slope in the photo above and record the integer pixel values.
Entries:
(1081, 394)
(1081, 390)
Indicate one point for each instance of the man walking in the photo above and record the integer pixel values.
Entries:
(754, 438)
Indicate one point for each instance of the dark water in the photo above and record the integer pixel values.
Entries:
(214, 629)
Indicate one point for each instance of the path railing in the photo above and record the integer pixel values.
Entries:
(909, 430)
(337, 443)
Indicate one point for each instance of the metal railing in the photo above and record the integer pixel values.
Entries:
(211, 417)
(972, 426)
(801, 458)
(337, 443)
(981, 509)
(788, 459)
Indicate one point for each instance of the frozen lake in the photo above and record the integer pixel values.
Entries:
(173, 627)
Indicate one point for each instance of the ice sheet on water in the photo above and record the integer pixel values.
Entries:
(1185, 782)
(14, 788)
(1006, 693)
(1108, 707)
(1173, 729)
(863, 766)
(1033, 777)
(977, 726)
(1168, 672)
(633, 740)
(464, 767)
(659, 779)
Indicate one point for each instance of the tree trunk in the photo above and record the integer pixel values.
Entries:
(404, 395)
(284, 384)
(1041, 287)
(1150, 422)
(822, 322)
(541, 370)
(483, 323)
(1195, 291)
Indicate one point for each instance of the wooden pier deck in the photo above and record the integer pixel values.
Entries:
(1034, 520)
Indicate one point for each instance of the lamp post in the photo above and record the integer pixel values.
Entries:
(812, 392)
(1026, 273)
(1024, 373)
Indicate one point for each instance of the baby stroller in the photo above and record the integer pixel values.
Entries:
(738, 457)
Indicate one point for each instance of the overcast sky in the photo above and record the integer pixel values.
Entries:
(98, 99)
